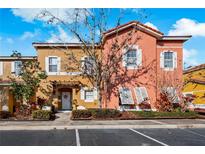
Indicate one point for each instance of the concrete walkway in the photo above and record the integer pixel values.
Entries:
(63, 122)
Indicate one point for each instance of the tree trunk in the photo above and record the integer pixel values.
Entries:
(99, 97)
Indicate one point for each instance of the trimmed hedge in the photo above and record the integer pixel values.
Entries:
(95, 113)
(42, 114)
(115, 114)
(5, 114)
(81, 114)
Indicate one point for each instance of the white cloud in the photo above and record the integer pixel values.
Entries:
(65, 14)
(62, 36)
(28, 35)
(190, 57)
(151, 25)
(186, 26)
(10, 40)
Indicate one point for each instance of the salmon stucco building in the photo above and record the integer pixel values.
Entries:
(158, 57)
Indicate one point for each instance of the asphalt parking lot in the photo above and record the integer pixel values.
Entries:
(104, 137)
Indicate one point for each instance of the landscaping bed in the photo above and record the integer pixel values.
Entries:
(111, 114)
(36, 115)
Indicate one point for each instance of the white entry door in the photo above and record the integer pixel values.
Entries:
(66, 101)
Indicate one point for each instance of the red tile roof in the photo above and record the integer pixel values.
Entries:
(131, 23)
(196, 68)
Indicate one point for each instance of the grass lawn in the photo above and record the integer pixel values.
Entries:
(151, 114)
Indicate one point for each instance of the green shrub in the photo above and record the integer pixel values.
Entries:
(5, 114)
(96, 113)
(106, 113)
(81, 114)
(42, 114)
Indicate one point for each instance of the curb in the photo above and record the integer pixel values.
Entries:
(101, 127)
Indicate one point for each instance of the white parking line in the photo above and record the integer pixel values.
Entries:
(149, 137)
(77, 137)
(195, 133)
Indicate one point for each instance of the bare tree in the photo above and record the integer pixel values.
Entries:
(102, 68)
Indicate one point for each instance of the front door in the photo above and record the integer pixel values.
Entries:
(66, 100)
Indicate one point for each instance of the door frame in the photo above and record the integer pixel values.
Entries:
(70, 100)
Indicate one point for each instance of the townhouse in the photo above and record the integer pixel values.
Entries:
(10, 67)
(195, 85)
(158, 58)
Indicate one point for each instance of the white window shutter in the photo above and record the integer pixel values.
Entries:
(47, 64)
(13, 67)
(139, 57)
(95, 93)
(82, 93)
(162, 60)
(1, 68)
(124, 57)
(138, 95)
(144, 92)
(175, 59)
(59, 64)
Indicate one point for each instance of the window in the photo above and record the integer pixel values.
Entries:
(172, 94)
(88, 65)
(89, 95)
(53, 64)
(141, 94)
(17, 67)
(168, 60)
(126, 96)
(132, 57)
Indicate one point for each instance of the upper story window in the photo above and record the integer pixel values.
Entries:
(126, 96)
(16, 67)
(132, 57)
(168, 60)
(53, 64)
(88, 65)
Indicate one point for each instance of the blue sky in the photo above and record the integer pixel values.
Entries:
(18, 29)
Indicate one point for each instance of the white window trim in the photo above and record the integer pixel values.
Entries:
(58, 65)
(132, 100)
(138, 61)
(174, 60)
(141, 94)
(82, 94)
(13, 68)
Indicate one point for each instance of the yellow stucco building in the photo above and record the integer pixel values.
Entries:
(65, 89)
(194, 83)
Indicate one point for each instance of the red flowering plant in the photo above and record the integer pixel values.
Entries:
(163, 104)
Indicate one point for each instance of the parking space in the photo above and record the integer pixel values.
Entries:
(37, 138)
(177, 137)
(113, 137)
(104, 137)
